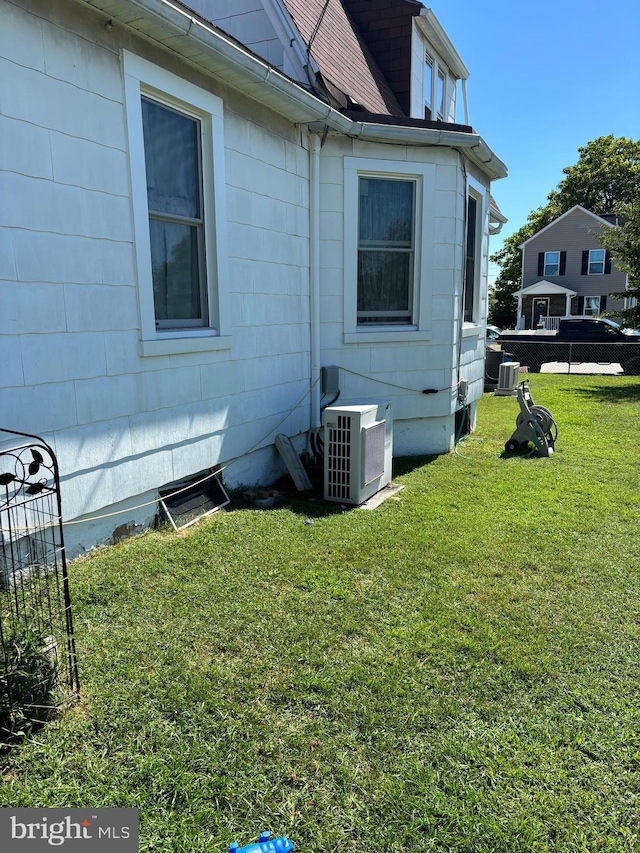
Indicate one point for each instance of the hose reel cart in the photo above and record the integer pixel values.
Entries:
(533, 424)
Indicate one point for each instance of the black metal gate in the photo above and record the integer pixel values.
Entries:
(39, 668)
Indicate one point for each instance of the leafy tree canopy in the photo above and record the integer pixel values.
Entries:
(624, 245)
(606, 176)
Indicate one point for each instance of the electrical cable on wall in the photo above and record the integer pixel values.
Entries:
(210, 476)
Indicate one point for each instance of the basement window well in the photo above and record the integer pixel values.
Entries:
(186, 501)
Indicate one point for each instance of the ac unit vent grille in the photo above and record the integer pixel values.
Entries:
(373, 452)
(338, 484)
(508, 376)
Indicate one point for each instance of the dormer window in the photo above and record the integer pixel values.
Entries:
(440, 95)
(439, 90)
(428, 86)
(437, 73)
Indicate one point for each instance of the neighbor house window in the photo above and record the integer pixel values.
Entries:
(551, 263)
(386, 250)
(592, 305)
(596, 263)
(177, 160)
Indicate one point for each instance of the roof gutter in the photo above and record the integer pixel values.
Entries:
(177, 29)
(471, 143)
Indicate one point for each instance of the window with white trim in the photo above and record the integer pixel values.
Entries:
(386, 250)
(596, 262)
(176, 149)
(472, 260)
(592, 305)
(428, 86)
(389, 227)
(551, 263)
(439, 89)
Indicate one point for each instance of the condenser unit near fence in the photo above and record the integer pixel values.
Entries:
(358, 450)
(508, 378)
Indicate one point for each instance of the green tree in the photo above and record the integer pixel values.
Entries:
(624, 245)
(606, 175)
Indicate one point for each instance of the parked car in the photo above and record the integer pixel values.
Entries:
(492, 334)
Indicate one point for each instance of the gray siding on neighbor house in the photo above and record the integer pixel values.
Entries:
(573, 234)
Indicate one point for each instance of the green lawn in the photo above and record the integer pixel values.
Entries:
(458, 670)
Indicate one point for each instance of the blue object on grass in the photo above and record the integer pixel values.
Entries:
(264, 845)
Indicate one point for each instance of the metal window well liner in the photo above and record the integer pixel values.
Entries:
(187, 501)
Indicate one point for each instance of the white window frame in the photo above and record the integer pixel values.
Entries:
(143, 78)
(428, 88)
(546, 264)
(602, 262)
(424, 174)
(591, 313)
(481, 196)
(441, 108)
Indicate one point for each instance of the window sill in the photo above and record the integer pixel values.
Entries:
(386, 334)
(471, 330)
(178, 343)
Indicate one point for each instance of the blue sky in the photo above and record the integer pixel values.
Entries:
(545, 78)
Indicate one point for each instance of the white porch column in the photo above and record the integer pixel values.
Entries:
(567, 311)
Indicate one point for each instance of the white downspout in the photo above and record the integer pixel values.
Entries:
(314, 275)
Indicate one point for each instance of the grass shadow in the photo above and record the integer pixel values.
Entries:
(612, 393)
(311, 504)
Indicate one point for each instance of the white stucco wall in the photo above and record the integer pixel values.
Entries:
(123, 425)
(401, 364)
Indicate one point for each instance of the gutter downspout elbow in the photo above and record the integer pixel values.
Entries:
(314, 276)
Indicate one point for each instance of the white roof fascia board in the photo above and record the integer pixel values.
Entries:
(545, 287)
(192, 37)
(209, 50)
(432, 30)
(600, 220)
(473, 145)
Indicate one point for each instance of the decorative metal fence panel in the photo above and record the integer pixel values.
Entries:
(39, 667)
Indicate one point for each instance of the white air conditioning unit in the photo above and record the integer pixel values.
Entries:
(508, 378)
(358, 450)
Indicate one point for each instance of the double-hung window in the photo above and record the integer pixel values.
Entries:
(389, 220)
(551, 263)
(471, 259)
(386, 250)
(596, 261)
(592, 305)
(173, 161)
(177, 160)
(428, 86)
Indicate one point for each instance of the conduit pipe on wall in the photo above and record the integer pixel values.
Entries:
(314, 275)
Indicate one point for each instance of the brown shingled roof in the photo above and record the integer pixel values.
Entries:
(344, 60)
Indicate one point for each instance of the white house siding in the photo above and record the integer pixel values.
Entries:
(573, 233)
(422, 423)
(123, 425)
(418, 50)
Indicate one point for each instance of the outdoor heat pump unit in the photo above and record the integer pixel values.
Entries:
(358, 450)
(508, 378)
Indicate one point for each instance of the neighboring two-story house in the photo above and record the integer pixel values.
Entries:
(204, 205)
(566, 272)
